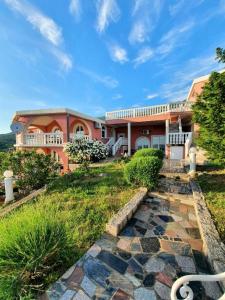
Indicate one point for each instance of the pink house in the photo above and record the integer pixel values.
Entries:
(167, 127)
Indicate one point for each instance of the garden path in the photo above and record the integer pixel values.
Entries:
(159, 244)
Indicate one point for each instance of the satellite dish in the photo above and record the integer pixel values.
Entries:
(17, 127)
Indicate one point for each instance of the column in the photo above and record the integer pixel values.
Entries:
(129, 138)
(167, 132)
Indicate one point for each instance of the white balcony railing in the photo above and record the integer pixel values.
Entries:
(148, 111)
(120, 142)
(40, 139)
(74, 136)
(178, 138)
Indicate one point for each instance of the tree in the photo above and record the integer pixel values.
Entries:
(84, 151)
(31, 170)
(209, 113)
(220, 54)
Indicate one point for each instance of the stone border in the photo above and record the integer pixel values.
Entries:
(9, 208)
(119, 221)
(213, 248)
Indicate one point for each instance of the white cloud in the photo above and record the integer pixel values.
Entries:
(179, 5)
(47, 28)
(105, 80)
(64, 59)
(75, 8)
(174, 38)
(45, 25)
(151, 96)
(178, 88)
(143, 56)
(107, 11)
(118, 54)
(117, 97)
(146, 14)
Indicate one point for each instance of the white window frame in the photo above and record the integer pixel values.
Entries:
(158, 135)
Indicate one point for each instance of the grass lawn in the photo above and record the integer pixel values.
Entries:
(75, 208)
(212, 183)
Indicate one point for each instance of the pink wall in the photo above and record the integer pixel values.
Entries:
(136, 132)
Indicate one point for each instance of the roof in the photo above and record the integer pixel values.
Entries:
(201, 79)
(56, 111)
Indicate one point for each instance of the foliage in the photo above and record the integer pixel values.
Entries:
(143, 171)
(212, 183)
(34, 242)
(209, 113)
(220, 54)
(149, 152)
(32, 170)
(83, 151)
(7, 141)
(83, 203)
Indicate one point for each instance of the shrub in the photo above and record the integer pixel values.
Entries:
(149, 152)
(34, 242)
(32, 170)
(83, 151)
(143, 171)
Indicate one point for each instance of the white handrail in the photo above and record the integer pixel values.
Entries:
(120, 142)
(148, 110)
(110, 143)
(74, 136)
(178, 138)
(43, 139)
(186, 291)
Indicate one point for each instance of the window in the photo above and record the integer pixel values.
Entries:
(158, 142)
(79, 130)
(142, 142)
(103, 132)
(56, 130)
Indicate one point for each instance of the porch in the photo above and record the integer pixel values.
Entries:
(174, 138)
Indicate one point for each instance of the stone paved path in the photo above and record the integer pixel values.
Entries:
(159, 244)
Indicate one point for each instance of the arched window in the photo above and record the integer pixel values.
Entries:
(104, 135)
(79, 130)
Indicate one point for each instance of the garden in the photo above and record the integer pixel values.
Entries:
(41, 239)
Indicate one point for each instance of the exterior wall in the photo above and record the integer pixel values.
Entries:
(136, 132)
(196, 90)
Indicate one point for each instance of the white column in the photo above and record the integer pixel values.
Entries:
(192, 157)
(167, 132)
(8, 186)
(129, 138)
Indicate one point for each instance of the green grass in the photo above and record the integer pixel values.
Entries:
(212, 182)
(42, 239)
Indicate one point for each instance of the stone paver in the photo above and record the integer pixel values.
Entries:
(160, 243)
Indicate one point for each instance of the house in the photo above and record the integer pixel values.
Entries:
(167, 127)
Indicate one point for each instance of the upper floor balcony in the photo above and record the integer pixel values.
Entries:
(148, 111)
(50, 139)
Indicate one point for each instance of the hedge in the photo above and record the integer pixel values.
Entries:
(143, 171)
(149, 152)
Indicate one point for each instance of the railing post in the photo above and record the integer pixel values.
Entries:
(8, 186)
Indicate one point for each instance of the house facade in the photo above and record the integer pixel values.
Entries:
(167, 127)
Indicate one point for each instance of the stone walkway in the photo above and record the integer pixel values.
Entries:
(159, 244)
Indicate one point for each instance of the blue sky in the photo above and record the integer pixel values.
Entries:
(100, 55)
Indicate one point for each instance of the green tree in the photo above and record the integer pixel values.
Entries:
(220, 54)
(209, 113)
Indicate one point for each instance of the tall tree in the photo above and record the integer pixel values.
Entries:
(209, 113)
(220, 54)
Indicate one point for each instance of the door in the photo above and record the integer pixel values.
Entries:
(158, 142)
(176, 152)
(142, 142)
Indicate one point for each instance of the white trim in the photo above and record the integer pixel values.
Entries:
(56, 111)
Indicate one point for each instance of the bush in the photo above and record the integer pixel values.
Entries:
(143, 171)
(83, 151)
(149, 152)
(34, 243)
(32, 170)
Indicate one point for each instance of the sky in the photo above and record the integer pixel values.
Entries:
(95, 56)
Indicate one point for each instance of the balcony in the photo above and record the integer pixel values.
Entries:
(74, 136)
(39, 139)
(148, 111)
